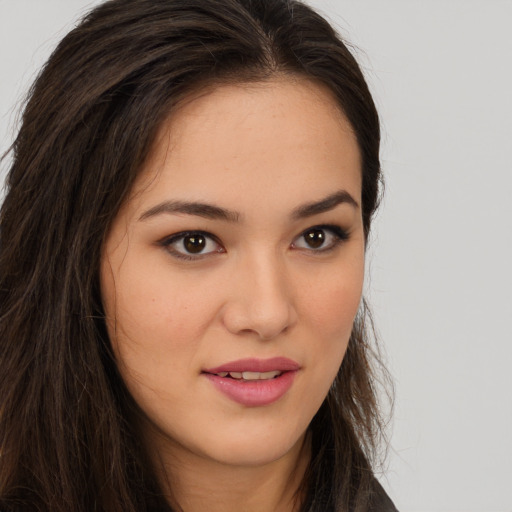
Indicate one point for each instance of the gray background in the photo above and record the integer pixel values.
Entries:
(439, 268)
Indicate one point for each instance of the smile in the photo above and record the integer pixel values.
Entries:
(250, 375)
(254, 382)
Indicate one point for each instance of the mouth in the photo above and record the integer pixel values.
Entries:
(249, 376)
(253, 368)
(254, 382)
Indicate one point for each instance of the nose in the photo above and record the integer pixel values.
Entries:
(261, 300)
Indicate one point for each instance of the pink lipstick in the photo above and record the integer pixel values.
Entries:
(254, 382)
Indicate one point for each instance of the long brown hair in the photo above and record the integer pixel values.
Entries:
(66, 439)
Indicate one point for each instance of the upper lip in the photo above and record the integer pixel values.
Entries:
(256, 365)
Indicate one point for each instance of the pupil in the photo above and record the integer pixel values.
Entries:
(315, 238)
(194, 243)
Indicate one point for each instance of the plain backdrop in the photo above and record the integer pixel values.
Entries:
(440, 276)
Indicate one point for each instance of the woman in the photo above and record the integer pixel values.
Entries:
(182, 258)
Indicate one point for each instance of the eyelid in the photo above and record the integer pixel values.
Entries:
(168, 242)
(338, 232)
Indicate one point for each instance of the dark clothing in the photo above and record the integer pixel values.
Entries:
(381, 502)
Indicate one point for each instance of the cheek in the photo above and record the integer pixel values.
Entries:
(154, 323)
(332, 304)
(330, 309)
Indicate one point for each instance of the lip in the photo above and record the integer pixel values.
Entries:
(283, 364)
(254, 393)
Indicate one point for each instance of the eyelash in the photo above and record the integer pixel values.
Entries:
(169, 241)
(339, 234)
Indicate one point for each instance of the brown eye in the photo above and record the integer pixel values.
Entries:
(315, 238)
(194, 244)
(320, 239)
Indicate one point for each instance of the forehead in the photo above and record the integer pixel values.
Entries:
(284, 137)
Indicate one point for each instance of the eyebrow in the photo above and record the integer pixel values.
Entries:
(205, 210)
(209, 211)
(324, 205)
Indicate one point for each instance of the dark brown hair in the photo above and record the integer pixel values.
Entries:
(66, 439)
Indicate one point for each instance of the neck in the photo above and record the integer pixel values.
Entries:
(194, 484)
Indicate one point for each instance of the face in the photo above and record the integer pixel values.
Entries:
(232, 275)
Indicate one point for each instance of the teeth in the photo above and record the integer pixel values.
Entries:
(251, 375)
(270, 375)
(260, 375)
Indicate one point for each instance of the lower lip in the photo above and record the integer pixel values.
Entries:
(253, 393)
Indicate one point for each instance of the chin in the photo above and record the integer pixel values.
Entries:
(257, 450)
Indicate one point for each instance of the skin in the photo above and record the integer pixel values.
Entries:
(258, 289)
